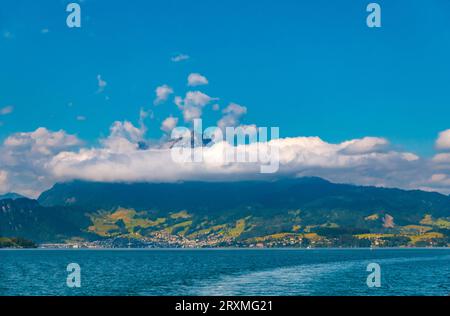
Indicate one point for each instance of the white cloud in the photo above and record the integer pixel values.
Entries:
(441, 162)
(232, 114)
(192, 105)
(191, 113)
(6, 110)
(437, 182)
(169, 124)
(4, 188)
(197, 98)
(443, 141)
(42, 140)
(300, 156)
(196, 79)
(162, 94)
(439, 178)
(124, 137)
(24, 158)
(32, 162)
(442, 158)
(179, 57)
(81, 118)
(101, 84)
(365, 145)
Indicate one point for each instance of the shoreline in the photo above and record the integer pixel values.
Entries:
(222, 249)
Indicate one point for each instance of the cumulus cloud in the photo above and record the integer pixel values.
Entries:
(365, 145)
(191, 113)
(42, 141)
(197, 98)
(124, 137)
(6, 110)
(439, 181)
(440, 178)
(162, 94)
(232, 114)
(441, 161)
(32, 162)
(196, 79)
(192, 104)
(179, 57)
(169, 124)
(300, 156)
(442, 158)
(443, 141)
(24, 158)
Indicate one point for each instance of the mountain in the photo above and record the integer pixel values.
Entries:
(317, 197)
(12, 196)
(27, 219)
(16, 243)
(304, 211)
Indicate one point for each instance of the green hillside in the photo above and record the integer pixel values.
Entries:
(296, 212)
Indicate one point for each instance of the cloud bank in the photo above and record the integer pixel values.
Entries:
(31, 162)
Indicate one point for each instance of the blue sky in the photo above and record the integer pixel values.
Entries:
(313, 68)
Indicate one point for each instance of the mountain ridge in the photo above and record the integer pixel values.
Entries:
(234, 213)
(12, 196)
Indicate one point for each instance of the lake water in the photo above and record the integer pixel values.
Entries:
(226, 272)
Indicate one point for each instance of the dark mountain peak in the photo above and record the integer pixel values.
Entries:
(21, 202)
(11, 196)
(311, 180)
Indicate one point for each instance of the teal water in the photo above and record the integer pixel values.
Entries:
(226, 272)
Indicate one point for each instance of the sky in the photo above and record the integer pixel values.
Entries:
(312, 68)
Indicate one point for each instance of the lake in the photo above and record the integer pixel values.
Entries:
(226, 272)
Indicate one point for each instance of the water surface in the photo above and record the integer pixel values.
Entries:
(226, 272)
